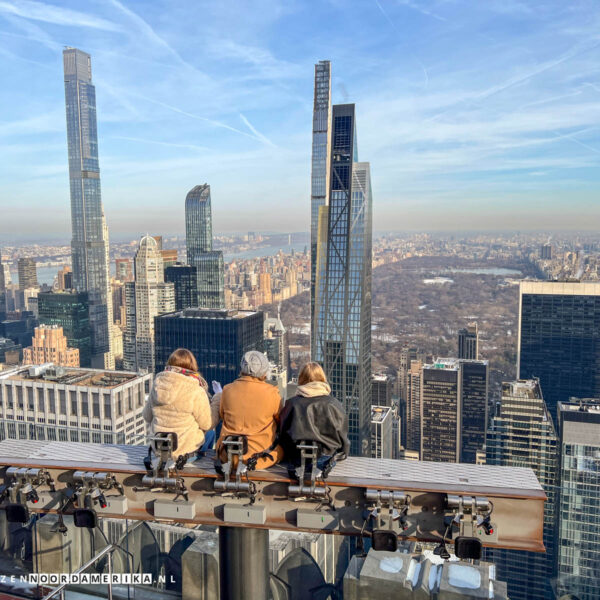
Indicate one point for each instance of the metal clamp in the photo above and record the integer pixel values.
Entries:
(235, 449)
(93, 485)
(25, 482)
(315, 487)
(478, 508)
(397, 503)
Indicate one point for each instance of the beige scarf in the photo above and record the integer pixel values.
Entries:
(314, 388)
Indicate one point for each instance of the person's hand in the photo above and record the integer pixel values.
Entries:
(216, 386)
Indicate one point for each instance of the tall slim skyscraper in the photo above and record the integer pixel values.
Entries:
(321, 155)
(209, 265)
(342, 317)
(147, 297)
(412, 439)
(522, 435)
(559, 339)
(468, 342)
(89, 245)
(578, 533)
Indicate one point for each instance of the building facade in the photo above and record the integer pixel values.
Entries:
(184, 279)
(454, 409)
(559, 339)
(342, 341)
(468, 342)
(218, 339)
(578, 533)
(522, 434)
(210, 271)
(27, 273)
(69, 310)
(381, 432)
(320, 171)
(89, 246)
(145, 298)
(412, 439)
(49, 345)
(382, 387)
(69, 404)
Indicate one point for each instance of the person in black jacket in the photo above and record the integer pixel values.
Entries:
(314, 415)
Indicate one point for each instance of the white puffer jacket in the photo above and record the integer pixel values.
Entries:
(179, 403)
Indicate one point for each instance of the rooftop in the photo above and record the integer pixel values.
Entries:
(209, 313)
(379, 413)
(49, 373)
(522, 388)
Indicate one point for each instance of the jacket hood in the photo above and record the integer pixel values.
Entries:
(314, 388)
(170, 385)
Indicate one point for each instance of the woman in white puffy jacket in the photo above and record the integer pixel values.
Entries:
(178, 402)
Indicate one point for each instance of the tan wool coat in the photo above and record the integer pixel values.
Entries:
(250, 407)
(179, 403)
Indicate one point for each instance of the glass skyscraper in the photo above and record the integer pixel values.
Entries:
(579, 500)
(522, 435)
(321, 148)
(342, 294)
(559, 339)
(199, 241)
(89, 245)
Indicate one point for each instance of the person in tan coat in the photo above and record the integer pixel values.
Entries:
(250, 406)
(178, 402)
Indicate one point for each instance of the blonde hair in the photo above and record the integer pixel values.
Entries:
(311, 371)
(184, 359)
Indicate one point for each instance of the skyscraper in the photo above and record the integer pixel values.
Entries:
(454, 397)
(559, 339)
(89, 245)
(321, 155)
(578, 533)
(381, 391)
(199, 242)
(49, 344)
(69, 310)
(145, 298)
(218, 339)
(412, 440)
(27, 273)
(468, 342)
(522, 435)
(342, 317)
(184, 278)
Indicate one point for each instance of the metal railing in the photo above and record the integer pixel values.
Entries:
(107, 550)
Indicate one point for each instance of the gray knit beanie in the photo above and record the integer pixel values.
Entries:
(255, 364)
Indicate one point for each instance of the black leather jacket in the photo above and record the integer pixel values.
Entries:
(320, 419)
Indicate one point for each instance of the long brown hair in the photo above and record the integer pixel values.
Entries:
(311, 371)
(184, 359)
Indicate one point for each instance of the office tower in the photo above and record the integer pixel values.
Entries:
(124, 268)
(69, 310)
(218, 339)
(27, 273)
(412, 441)
(342, 342)
(381, 389)
(474, 408)
(321, 155)
(578, 532)
(265, 286)
(559, 339)
(522, 435)
(468, 342)
(453, 409)
(546, 252)
(275, 343)
(65, 278)
(185, 280)
(73, 404)
(89, 246)
(49, 345)
(3, 284)
(145, 298)
(381, 432)
(199, 242)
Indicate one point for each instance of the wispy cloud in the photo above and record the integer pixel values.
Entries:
(49, 13)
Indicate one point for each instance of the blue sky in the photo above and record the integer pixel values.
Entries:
(477, 114)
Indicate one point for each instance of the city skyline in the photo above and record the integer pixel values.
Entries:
(494, 121)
